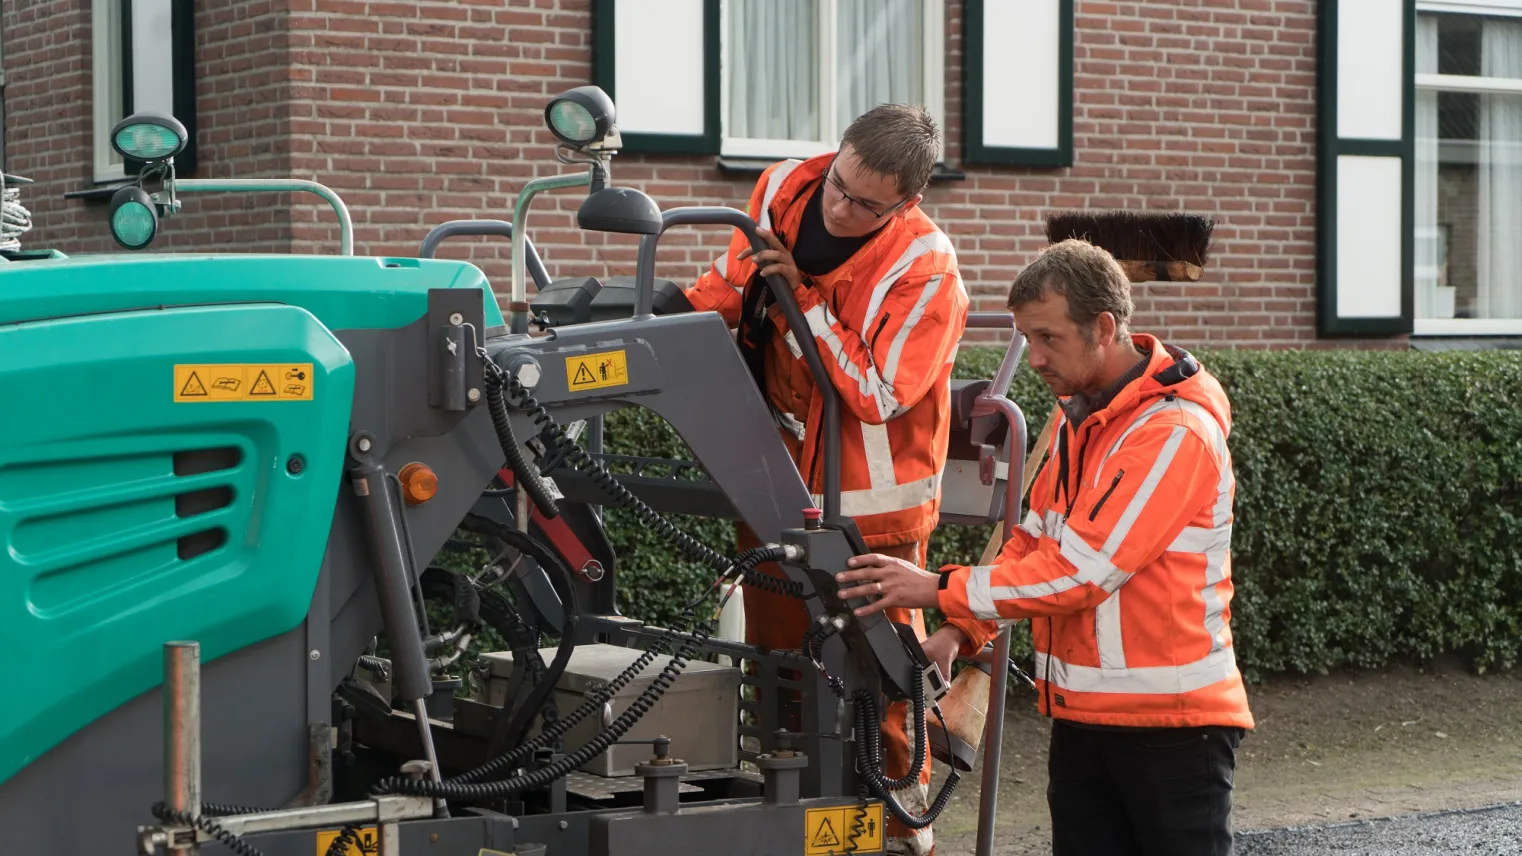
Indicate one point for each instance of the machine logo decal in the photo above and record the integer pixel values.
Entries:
(240, 382)
(595, 371)
(829, 831)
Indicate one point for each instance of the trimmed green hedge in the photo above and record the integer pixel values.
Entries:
(1378, 513)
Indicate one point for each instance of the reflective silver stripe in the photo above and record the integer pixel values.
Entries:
(1032, 524)
(870, 383)
(789, 423)
(1217, 551)
(874, 440)
(1144, 493)
(1140, 420)
(1092, 566)
(890, 366)
(792, 345)
(773, 184)
(1107, 637)
(858, 503)
(1198, 539)
(1045, 588)
(980, 598)
(1211, 669)
(936, 242)
(1053, 524)
(721, 264)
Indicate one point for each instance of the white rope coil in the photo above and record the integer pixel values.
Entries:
(15, 220)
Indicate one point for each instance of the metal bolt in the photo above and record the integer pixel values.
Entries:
(316, 654)
(434, 838)
(295, 464)
(474, 395)
(364, 444)
(563, 825)
(456, 318)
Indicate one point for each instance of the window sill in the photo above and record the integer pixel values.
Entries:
(99, 193)
(748, 167)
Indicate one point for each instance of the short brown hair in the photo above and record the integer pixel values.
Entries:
(897, 140)
(1088, 276)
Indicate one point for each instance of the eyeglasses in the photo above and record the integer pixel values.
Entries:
(829, 176)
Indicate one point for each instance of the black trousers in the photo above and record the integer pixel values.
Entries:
(1118, 792)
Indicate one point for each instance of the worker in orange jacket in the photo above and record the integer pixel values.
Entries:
(878, 284)
(1123, 566)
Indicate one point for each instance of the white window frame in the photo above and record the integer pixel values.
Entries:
(106, 78)
(934, 86)
(1482, 85)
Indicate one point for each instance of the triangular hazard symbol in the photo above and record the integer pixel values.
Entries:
(262, 386)
(583, 375)
(825, 836)
(193, 386)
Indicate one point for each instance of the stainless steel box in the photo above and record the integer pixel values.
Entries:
(700, 713)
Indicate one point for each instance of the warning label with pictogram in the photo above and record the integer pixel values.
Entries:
(595, 371)
(366, 843)
(843, 829)
(243, 382)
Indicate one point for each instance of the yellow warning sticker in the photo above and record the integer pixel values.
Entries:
(243, 382)
(367, 843)
(843, 829)
(595, 371)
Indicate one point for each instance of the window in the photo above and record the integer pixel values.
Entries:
(143, 58)
(1468, 187)
(768, 79)
(795, 73)
(108, 84)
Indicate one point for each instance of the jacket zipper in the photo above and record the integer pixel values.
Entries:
(872, 345)
(1093, 512)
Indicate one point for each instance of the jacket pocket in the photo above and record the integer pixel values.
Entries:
(1094, 512)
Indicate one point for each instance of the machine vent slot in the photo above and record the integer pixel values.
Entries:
(202, 501)
(200, 461)
(201, 543)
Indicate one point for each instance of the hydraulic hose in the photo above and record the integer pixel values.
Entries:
(510, 733)
(869, 726)
(525, 473)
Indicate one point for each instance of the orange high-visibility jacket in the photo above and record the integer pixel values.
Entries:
(1123, 564)
(887, 324)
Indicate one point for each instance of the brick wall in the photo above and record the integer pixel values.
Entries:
(242, 105)
(422, 112)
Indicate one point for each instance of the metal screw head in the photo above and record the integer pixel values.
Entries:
(417, 769)
(295, 464)
(473, 395)
(364, 444)
(456, 318)
(563, 825)
(528, 374)
(433, 838)
(316, 654)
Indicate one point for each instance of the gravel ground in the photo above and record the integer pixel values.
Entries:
(1490, 830)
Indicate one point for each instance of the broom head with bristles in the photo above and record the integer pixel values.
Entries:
(1169, 246)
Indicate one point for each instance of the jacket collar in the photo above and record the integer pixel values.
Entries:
(1168, 370)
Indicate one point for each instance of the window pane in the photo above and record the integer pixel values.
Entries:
(1471, 45)
(1469, 205)
(774, 69)
(879, 55)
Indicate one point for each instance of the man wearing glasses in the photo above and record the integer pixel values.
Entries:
(878, 284)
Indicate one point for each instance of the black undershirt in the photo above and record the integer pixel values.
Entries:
(817, 252)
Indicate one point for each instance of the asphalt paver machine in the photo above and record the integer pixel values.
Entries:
(257, 508)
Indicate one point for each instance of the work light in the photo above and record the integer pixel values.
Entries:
(149, 137)
(580, 116)
(134, 219)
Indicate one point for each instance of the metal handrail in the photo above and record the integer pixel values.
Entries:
(472, 228)
(279, 185)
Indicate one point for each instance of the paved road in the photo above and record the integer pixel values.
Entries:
(1493, 831)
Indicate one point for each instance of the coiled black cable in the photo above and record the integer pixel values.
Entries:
(347, 837)
(204, 823)
(511, 731)
(525, 473)
(539, 778)
(869, 727)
